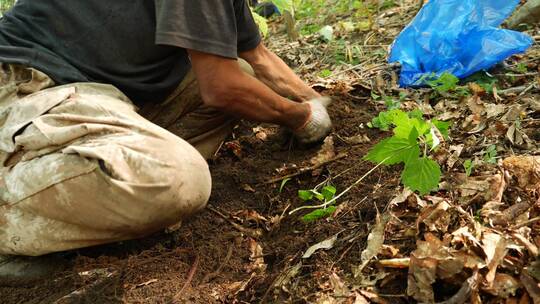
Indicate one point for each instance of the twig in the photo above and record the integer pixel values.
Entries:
(342, 193)
(251, 232)
(527, 223)
(306, 169)
(207, 278)
(189, 278)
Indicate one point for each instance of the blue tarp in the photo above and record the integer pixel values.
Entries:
(456, 36)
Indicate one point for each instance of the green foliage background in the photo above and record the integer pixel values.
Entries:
(6, 4)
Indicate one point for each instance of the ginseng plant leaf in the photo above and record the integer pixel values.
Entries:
(394, 150)
(422, 175)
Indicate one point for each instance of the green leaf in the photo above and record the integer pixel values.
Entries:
(328, 192)
(305, 195)
(490, 156)
(469, 166)
(422, 175)
(391, 103)
(445, 83)
(284, 5)
(318, 214)
(393, 150)
(442, 126)
(416, 113)
(405, 125)
(325, 73)
(261, 23)
(383, 121)
(283, 183)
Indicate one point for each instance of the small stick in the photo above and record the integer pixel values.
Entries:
(251, 232)
(305, 169)
(207, 278)
(189, 278)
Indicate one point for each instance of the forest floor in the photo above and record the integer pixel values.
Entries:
(475, 240)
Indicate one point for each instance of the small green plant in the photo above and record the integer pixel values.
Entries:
(383, 120)
(522, 68)
(469, 166)
(413, 140)
(444, 84)
(490, 155)
(325, 73)
(283, 183)
(484, 80)
(325, 195)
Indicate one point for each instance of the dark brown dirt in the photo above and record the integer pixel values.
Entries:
(156, 269)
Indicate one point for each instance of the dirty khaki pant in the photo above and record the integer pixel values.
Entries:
(79, 166)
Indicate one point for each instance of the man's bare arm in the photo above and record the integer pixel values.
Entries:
(273, 72)
(225, 86)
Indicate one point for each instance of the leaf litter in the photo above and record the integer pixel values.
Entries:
(475, 239)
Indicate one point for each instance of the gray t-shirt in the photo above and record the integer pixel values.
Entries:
(137, 45)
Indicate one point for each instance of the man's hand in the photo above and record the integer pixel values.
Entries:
(319, 125)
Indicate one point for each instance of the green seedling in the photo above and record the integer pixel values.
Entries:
(469, 166)
(490, 155)
(283, 183)
(413, 140)
(325, 195)
(522, 68)
(325, 73)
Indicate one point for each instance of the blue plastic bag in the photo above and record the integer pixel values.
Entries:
(456, 36)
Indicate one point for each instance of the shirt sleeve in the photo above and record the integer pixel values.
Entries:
(219, 27)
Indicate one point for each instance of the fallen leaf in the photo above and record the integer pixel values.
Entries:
(494, 110)
(494, 246)
(256, 256)
(325, 245)
(454, 156)
(339, 288)
(326, 153)
(357, 139)
(503, 286)
(285, 278)
(248, 188)
(531, 286)
(375, 241)
(526, 169)
(464, 293)
(435, 217)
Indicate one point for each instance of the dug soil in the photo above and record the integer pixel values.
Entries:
(245, 247)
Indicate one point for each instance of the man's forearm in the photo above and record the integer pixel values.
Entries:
(274, 73)
(250, 99)
(225, 86)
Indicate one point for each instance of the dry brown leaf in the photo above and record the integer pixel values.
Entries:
(503, 286)
(454, 156)
(494, 110)
(340, 289)
(256, 256)
(476, 105)
(435, 217)
(526, 169)
(430, 260)
(531, 286)
(494, 246)
(422, 274)
(325, 245)
(467, 289)
(286, 277)
(375, 240)
(357, 139)
(326, 153)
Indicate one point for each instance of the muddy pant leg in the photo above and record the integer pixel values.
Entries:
(185, 115)
(79, 167)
